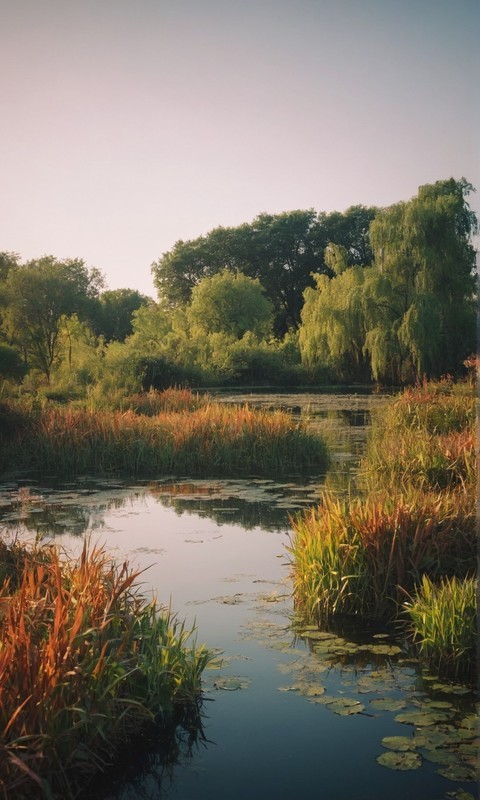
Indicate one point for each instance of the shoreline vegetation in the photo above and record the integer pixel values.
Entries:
(87, 664)
(403, 548)
(171, 432)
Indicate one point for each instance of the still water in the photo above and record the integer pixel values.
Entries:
(288, 711)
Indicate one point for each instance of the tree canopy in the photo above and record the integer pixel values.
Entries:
(413, 311)
(281, 250)
(38, 296)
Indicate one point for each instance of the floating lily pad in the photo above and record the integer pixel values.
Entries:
(470, 722)
(387, 704)
(400, 761)
(380, 636)
(421, 718)
(345, 706)
(449, 688)
(441, 756)
(436, 704)
(385, 649)
(399, 743)
(230, 683)
(456, 772)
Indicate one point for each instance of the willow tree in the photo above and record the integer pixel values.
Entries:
(412, 313)
(424, 253)
(332, 333)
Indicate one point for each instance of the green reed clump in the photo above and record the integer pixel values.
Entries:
(443, 624)
(212, 439)
(424, 437)
(360, 555)
(86, 663)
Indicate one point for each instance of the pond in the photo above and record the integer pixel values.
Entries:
(289, 710)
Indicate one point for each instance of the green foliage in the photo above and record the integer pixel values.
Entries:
(39, 296)
(116, 308)
(281, 250)
(230, 303)
(444, 624)
(11, 363)
(332, 330)
(412, 313)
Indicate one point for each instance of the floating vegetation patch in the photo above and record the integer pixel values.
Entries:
(400, 761)
(231, 683)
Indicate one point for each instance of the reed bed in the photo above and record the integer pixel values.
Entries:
(426, 437)
(212, 439)
(155, 402)
(444, 624)
(86, 662)
(362, 555)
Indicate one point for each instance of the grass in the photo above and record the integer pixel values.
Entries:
(211, 439)
(361, 555)
(86, 663)
(443, 620)
(425, 437)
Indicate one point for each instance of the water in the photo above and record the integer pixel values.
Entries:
(217, 550)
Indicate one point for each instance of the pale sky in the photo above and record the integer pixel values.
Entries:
(130, 124)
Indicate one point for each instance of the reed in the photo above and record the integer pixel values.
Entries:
(361, 555)
(212, 439)
(426, 437)
(443, 624)
(86, 662)
(155, 402)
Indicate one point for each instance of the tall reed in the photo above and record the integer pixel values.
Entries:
(360, 555)
(86, 662)
(212, 439)
(444, 624)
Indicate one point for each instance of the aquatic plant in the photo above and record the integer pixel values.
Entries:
(426, 436)
(360, 555)
(86, 662)
(443, 623)
(212, 439)
(173, 399)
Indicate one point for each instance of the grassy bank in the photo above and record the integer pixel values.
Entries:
(206, 438)
(86, 663)
(407, 542)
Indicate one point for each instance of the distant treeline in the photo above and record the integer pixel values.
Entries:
(370, 294)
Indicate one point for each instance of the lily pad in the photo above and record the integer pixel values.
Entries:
(385, 649)
(456, 772)
(399, 743)
(345, 706)
(230, 683)
(387, 704)
(400, 761)
(421, 718)
(440, 756)
(448, 688)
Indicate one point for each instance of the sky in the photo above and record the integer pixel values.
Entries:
(130, 124)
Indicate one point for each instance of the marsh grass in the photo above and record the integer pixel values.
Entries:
(443, 620)
(156, 402)
(426, 437)
(212, 439)
(361, 555)
(86, 662)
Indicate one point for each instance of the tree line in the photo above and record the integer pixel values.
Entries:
(383, 294)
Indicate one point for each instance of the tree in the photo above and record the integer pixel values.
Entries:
(412, 312)
(115, 313)
(39, 295)
(281, 250)
(230, 303)
(423, 249)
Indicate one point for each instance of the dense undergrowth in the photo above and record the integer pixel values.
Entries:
(405, 546)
